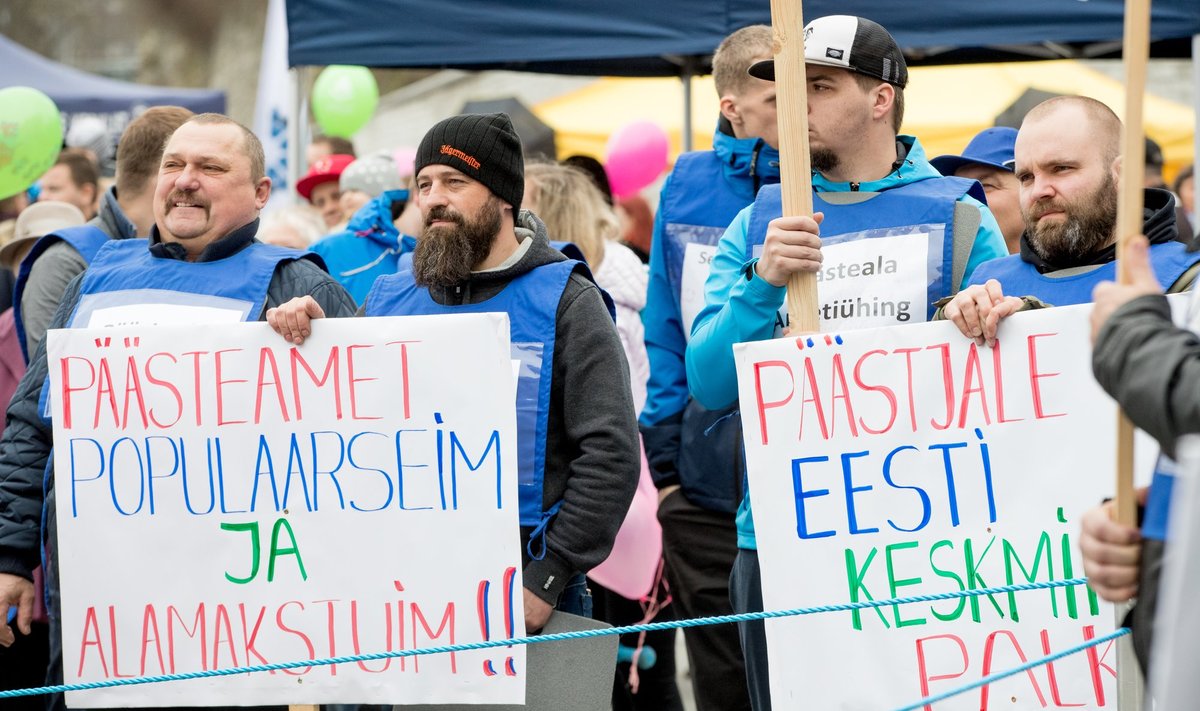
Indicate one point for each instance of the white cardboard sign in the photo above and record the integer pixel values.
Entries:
(905, 461)
(225, 499)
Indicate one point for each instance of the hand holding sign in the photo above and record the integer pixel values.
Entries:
(16, 593)
(293, 320)
(792, 246)
(1111, 552)
(977, 311)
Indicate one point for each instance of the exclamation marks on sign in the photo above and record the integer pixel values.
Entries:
(485, 625)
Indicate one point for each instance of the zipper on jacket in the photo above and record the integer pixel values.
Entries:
(854, 187)
(754, 169)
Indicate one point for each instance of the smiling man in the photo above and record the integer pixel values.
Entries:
(126, 211)
(201, 264)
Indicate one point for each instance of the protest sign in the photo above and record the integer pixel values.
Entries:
(906, 461)
(226, 499)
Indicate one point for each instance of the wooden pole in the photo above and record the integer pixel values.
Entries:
(1136, 50)
(795, 167)
(1129, 210)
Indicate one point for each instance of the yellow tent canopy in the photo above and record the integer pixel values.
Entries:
(944, 107)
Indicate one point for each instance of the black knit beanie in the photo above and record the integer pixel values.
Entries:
(483, 146)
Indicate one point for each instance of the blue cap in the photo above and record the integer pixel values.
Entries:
(992, 147)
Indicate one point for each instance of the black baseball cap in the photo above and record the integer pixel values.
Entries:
(848, 42)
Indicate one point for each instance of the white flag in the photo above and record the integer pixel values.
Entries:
(274, 107)
(1177, 621)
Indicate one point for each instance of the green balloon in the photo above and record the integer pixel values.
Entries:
(30, 137)
(343, 99)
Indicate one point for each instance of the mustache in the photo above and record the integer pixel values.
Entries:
(1041, 208)
(445, 214)
(180, 196)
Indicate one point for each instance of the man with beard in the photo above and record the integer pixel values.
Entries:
(481, 253)
(1068, 163)
(878, 200)
(201, 261)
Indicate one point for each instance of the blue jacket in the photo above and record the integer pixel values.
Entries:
(699, 199)
(741, 306)
(746, 165)
(369, 247)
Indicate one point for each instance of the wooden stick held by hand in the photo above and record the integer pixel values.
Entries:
(795, 167)
(1129, 212)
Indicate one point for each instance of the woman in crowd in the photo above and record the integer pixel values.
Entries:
(628, 586)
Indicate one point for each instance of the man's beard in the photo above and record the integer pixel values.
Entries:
(445, 255)
(1088, 228)
(823, 160)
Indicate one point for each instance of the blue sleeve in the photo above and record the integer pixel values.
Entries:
(667, 390)
(739, 306)
(989, 240)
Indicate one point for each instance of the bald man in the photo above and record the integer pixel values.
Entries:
(1068, 164)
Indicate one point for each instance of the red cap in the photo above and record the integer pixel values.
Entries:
(327, 169)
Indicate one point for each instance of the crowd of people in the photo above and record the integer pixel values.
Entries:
(637, 389)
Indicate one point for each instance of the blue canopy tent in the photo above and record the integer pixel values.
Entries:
(77, 92)
(665, 37)
(640, 38)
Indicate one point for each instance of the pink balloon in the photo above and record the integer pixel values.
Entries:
(405, 157)
(637, 155)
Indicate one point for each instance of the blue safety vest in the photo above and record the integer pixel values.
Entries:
(1020, 278)
(531, 301)
(928, 202)
(1158, 501)
(697, 209)
(124, 274)
(86, 239)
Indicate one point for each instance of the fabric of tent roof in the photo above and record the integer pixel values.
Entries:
(934, 108)
(75, 91)
(640, 38)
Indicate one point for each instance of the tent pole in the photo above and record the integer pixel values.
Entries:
(686, 78)
(1196, 108)
(297, 128)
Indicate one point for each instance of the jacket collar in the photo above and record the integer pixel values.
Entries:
(1158, 224)
(221, 248)
(747, 163)
(910, 166)
(113, 218)
(373, 221)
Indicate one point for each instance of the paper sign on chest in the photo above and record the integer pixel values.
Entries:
(906, 461)
(225, 499)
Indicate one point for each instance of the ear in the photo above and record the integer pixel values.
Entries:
(1116, 168)
(262, 192)
(883, 96)
(729, 109)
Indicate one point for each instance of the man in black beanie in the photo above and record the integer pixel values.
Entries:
(480, 252)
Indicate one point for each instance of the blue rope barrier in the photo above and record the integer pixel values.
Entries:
(1121, 632)
(539, 639)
